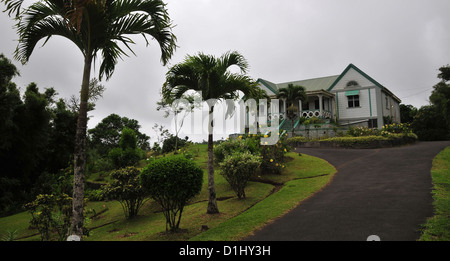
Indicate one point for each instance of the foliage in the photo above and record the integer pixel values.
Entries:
(292, 94)
(106, 134)
(96, 28)
(36, 137)
(127, 154)
(240, 144)
(51, 213)
(296, 139)
(437, 228)
(273, 156)
(362, 131)
(211, 77)
(432, 122)
(238, 168)
(396, 128)
(172, 182)
(126, 188)
(172, 143)
(407, 113)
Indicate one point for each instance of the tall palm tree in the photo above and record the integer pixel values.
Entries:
(94, 26)
(210, 76)
(291, 94)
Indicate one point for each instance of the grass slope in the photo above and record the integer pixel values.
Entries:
(437, 228)
(303, 176)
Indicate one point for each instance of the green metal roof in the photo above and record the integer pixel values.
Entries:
(310, 85)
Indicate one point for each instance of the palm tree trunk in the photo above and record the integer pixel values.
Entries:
(212, 203)
(80, 154)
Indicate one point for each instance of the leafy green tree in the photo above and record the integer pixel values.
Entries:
(106, 135)
(172, 143)
(432, 122)
(94, 26)
(211, 77)
(292, 94)
(126, 188)
(172, 182)
(407, 113)
(127, 154)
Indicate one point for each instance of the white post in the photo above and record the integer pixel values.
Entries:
(320, 105)
(299, 108)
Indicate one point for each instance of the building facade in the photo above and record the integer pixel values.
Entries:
(351, 98)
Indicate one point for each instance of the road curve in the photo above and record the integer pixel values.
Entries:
(383, 192)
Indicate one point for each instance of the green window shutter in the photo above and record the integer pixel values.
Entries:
(352, 93)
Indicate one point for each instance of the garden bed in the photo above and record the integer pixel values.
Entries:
(362, 142)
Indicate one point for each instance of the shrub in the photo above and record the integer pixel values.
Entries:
(51, 213)
(362, 131)
(126, 188)
(237, 169)
(296, 139)
(397, 128)
(240, 144)
(172, 182)
(273, 156)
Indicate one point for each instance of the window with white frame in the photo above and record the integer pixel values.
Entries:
(353, 101)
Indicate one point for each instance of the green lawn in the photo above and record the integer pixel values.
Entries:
(303, 176)
(437, 228)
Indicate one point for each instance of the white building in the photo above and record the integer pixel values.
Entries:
(352, 98)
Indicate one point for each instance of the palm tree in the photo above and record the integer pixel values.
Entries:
(212, 78)
(291, 94)
(93, 26)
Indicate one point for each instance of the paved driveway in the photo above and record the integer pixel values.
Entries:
(383, 192)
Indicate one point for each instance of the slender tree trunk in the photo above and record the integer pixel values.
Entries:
(212, 203)
(80, 154)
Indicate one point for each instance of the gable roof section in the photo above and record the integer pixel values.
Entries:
(269, 85)
(351, 66)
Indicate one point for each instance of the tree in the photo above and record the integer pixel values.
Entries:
(211, 77)
(172, 181)
(107, 133)
(94, 26)
(127, 189)
(179, 109)
(291, 94)
(432, 122)
(127, 154)
(407, 113)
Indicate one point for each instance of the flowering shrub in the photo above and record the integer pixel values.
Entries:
(362, 131)
(273, 156)
(240, 144)
(237, 169)
(396, 128)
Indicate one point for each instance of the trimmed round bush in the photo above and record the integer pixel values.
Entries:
(238, 168)
(172, 182)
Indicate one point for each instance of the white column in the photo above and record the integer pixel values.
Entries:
(299, 108)
(320, 105)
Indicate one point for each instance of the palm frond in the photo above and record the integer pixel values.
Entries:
(13, 6)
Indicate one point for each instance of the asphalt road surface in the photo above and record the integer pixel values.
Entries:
(376, 192)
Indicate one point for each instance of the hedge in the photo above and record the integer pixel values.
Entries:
(362, 142)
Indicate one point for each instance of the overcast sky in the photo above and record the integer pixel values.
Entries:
(400, 43)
